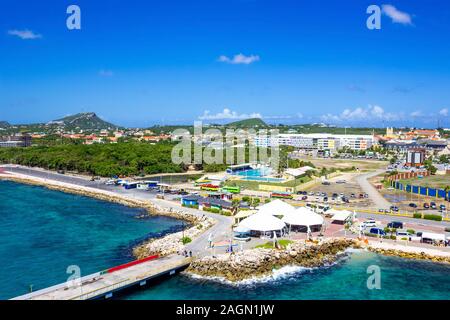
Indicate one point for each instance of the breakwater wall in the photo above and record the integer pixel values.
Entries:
(260, 262)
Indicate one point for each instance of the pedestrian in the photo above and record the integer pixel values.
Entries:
(190, 254)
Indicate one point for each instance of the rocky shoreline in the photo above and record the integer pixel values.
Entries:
(255, 263)
(171, 243)
(411, 255)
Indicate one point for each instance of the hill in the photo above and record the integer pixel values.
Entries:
(85, 121)
(4, 124)
(247, 123)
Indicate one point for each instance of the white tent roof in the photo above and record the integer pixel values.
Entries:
(241, 229)
(276, 208)
(262, 222)
(433, 236)
(303, 217)
(341, 215)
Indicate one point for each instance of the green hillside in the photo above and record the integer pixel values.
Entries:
(247, 123)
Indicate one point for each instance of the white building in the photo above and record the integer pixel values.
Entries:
(320, 141)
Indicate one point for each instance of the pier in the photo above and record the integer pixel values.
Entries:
(107, 283)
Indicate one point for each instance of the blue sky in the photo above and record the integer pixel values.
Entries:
(138, 63)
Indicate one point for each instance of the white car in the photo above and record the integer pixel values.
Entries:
(110, 182)
(369, 223)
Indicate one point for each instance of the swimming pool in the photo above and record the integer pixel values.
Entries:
(260, 172)
(266, 179)
(258, 175)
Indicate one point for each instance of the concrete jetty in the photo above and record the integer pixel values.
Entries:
(104, 285)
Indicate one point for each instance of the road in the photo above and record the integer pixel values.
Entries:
(379, 201)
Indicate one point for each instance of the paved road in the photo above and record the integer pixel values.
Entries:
(379, 201)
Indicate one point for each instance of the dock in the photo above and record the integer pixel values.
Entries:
(107, 283)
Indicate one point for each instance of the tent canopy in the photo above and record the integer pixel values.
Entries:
(262, 222)
(244, 213)
(341, 215)
(241, 229)
(433, 236)
(303, 217)
(276, 208)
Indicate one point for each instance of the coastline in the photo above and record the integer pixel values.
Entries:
(237, 266)
(166, 245)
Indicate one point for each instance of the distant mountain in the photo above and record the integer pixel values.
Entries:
(247, 123)
(84, 121)
(4, 124)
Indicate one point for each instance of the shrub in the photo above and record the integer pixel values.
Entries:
(186, 240)
(434, 217)
(411, 231)
(417, 215)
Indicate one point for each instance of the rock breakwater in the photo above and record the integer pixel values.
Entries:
(260, 262)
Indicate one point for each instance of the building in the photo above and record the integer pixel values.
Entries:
(415, 157)
(19, 140)
(319, 141)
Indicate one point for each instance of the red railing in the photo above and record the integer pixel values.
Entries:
(130, 264)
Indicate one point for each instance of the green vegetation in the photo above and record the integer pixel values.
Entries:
(247, 123)
(438, 181)
(131, 158)
(282, 244)
(433, 217)
(186, 240)
(84, 121)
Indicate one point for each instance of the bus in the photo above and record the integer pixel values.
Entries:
(231, 189)
(281, 195)
(209, 187)
(202, 182)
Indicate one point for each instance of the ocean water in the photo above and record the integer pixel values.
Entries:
(42, 232)
(347, 279)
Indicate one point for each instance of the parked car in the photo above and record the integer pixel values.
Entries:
(378, 231)
(304, 197)
(326, 183)
(395, 225)
(369, 223)
(442, 207)
(394, 208)
(433, 205)
(426, 206)
(402, 234)
(413, 205)
(341, 181)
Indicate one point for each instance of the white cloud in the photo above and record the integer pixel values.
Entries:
(227, 114)
(396, 15)
(239, 59)
(106, 73)
(416, 113)
(444, 112)
(372, 112)
(24, 34)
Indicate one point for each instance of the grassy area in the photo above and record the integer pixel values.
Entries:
(348, 163)
(269, 245)
(254, 185)
(437, 181)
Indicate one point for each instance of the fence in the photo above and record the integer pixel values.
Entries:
(419, 190)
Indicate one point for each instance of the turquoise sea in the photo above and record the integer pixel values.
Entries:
(42, 232)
